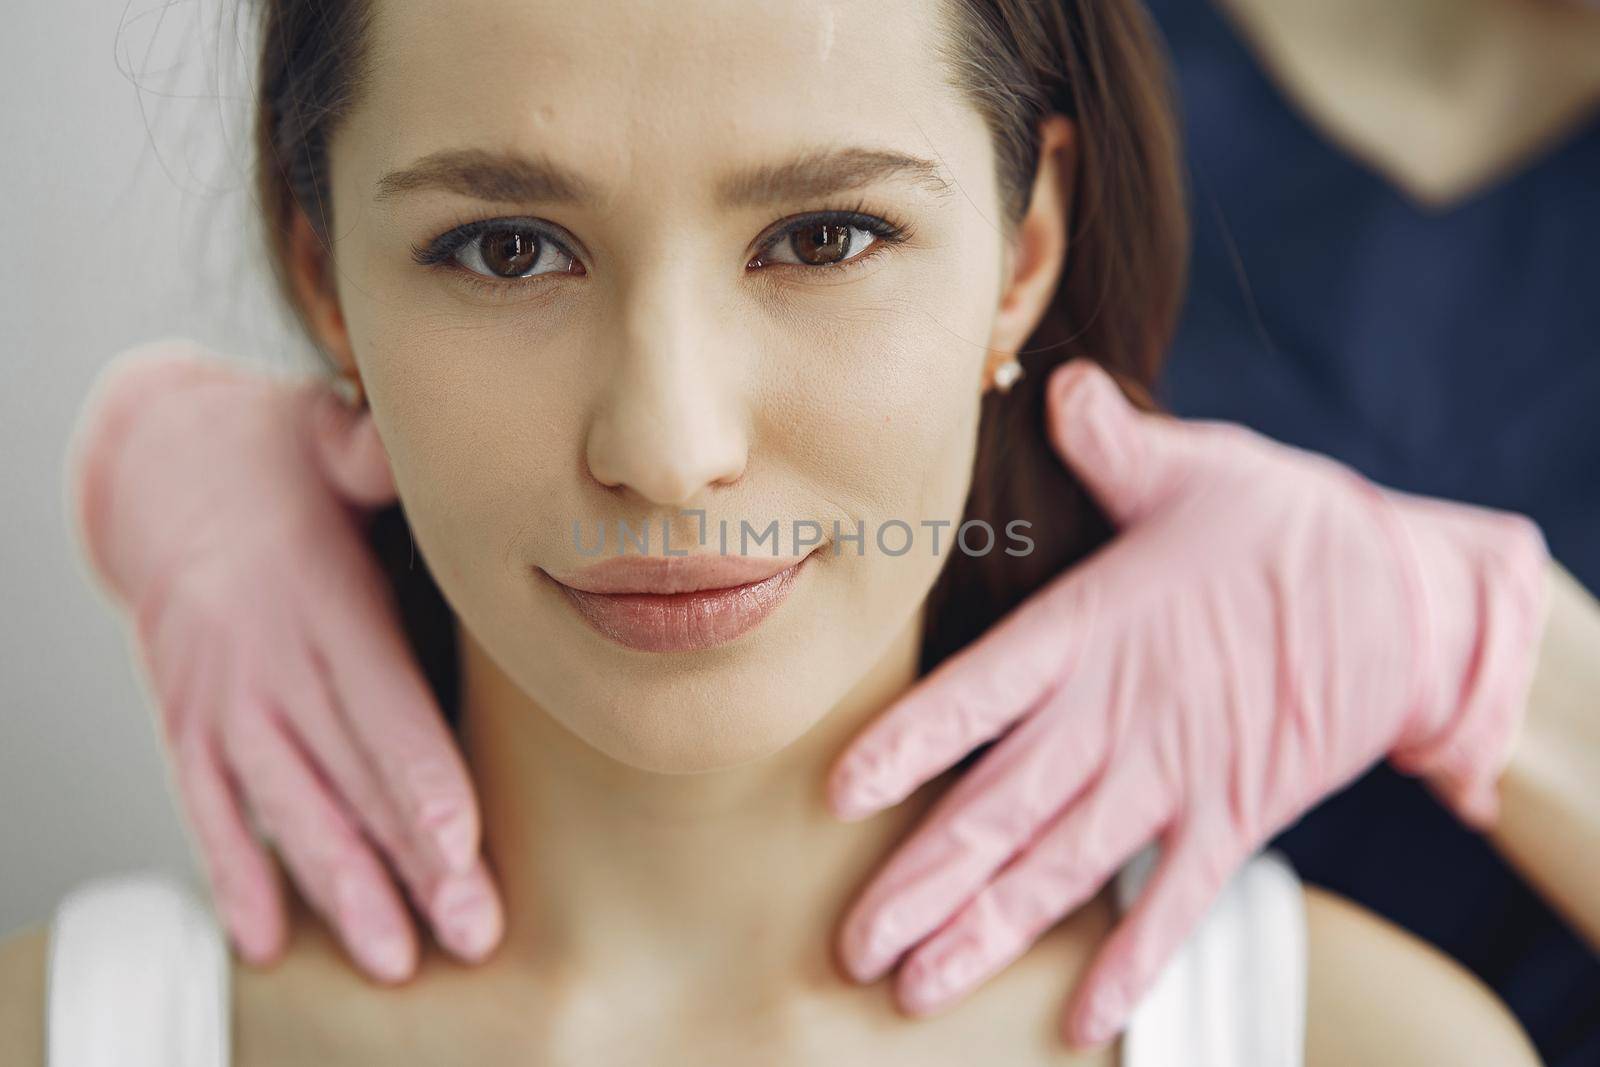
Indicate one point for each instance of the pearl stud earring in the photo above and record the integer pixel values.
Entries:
(1007, 374)
(347, 387)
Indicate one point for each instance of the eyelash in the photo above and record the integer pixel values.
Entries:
(441, 251)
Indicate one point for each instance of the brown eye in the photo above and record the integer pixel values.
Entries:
(504, 252)
(822, 243)
(825, 243)
(509, 253)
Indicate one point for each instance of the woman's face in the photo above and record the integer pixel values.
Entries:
(635, 328)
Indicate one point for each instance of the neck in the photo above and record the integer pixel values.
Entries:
(610, 871)
(1444, 96)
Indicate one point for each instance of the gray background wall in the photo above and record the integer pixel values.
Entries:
(124, 155)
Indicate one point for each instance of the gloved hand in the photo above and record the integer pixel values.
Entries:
(221, 509)
(1264, 627)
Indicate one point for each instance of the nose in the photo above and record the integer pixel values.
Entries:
(671, 420)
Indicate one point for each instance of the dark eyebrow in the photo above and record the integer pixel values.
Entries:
(827, 171)
(508, 177)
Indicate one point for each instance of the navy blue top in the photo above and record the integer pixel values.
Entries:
(1453, 353)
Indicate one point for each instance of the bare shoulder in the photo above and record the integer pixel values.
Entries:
(1379, 995)
(22, 963)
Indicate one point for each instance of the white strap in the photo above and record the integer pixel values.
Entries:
(1235, 994)
(138, 976)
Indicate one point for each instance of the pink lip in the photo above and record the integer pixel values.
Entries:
(682, 603)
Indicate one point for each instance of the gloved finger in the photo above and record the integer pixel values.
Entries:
(1193, 868)
(1068, 863)
(984, 819)
(244, 885)
(350, 452)
(466, 913)
(966, 700)
(1125, 457)
(462, 907)
(174, 682)
(327, 857)
(389, 707)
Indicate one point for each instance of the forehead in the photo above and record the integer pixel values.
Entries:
(641, 88)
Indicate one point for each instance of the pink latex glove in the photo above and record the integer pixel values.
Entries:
(1265, 626)
(221, 509)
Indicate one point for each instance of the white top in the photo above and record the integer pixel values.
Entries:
(138, 977)
(1235, 994)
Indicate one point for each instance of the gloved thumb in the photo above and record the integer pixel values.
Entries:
(350, 452)
(1124, 456)
(1477, 804)
(1471, 794)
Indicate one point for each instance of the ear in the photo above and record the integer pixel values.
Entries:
(1037, 253)
(311, 270)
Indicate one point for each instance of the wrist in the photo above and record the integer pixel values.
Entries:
(1481, 578)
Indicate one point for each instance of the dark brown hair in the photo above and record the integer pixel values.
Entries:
(1096, 61)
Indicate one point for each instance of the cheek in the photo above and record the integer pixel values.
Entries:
(880, 408)
(472, 434)
(881, 416)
